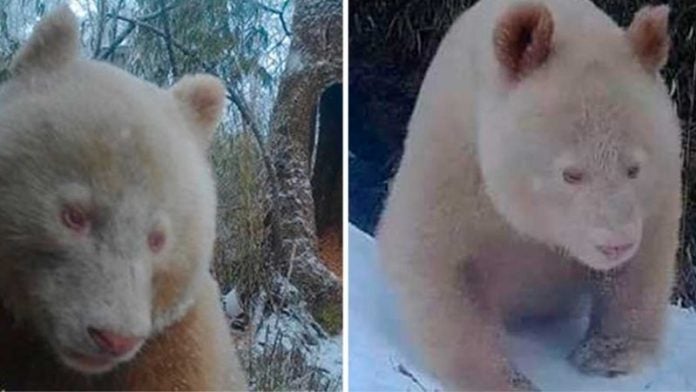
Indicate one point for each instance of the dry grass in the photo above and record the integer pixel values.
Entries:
(241, 247)
(283, 368)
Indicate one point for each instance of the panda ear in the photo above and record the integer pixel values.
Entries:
(53, 43)
(649, 37)
(202, 100)
(522, 39)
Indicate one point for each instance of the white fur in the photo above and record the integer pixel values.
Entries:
(480, 227)
(132, 156)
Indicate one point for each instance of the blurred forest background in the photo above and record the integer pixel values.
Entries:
(276, 156)
(390, 47)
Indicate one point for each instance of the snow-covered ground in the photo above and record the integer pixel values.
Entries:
(289, 331)
(380, 360)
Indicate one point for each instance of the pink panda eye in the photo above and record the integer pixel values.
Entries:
(75, 219)
(573, 176)
(156, 240)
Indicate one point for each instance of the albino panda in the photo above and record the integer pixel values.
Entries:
(107, 211)
(541, 169)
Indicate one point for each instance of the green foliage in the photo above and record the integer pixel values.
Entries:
(331, 318)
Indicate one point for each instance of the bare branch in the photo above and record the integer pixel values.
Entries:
(101, 22)
(131, 26)
(168, 39)
(117, 41)
(159, 32)
(250, 120)
(159, 12)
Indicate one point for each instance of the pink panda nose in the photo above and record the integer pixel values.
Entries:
(614, 252)
(113, 343)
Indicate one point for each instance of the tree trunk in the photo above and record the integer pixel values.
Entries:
(313, 63)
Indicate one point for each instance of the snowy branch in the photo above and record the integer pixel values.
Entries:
(280, 13)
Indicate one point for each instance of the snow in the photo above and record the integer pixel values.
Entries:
(231, 304)
(294, 62)
(380, 359)
(291, 331)
(330, 355)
